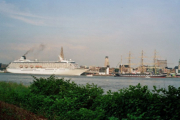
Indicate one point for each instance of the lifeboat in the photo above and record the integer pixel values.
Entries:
(26, 66)
(37, 66)
(31, 66)
(20, 66)
(40, 66)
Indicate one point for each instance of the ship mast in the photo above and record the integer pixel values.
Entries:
(155, 61)
(121, 64)
(129, 62)
(142, 64)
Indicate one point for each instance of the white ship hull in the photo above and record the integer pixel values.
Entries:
(47, 71)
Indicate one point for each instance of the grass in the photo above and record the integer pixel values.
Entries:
(8, 89)
(13, 111)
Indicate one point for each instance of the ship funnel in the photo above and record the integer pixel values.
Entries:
(24, 57)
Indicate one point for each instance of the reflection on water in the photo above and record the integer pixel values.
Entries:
(105, 82)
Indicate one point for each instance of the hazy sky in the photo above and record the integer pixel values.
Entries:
(89, 30)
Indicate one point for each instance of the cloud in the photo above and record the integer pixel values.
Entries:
(66, 45)
(23, 47)
(27, 20)
(14, 12)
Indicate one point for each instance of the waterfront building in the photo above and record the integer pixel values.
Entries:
(167, 70)
(3, 66)
(94, 69)
(178, 69)
(162, 65)
(125, 69)
(179, 65)
(106, 64)
(84, 67)
(102, 70)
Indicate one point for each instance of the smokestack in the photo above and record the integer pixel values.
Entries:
(24, 57)
(106, 64)
(62, 54)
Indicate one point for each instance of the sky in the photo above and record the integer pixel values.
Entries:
(89, 30)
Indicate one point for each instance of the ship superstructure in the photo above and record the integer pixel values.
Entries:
(61, 67)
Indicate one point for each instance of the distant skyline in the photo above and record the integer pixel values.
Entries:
(90, 30)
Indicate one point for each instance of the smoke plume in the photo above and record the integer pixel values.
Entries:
(31, 50)
(39, 48)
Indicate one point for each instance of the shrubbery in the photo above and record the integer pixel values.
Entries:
(62, 99)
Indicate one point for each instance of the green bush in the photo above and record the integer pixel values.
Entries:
(62, 99)
(13, 93)
(137, 102)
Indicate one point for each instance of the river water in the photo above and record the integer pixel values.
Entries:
(105, 82)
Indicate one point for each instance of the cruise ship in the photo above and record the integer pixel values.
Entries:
(61, 67)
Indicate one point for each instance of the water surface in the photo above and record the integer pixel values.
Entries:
(105, 82)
